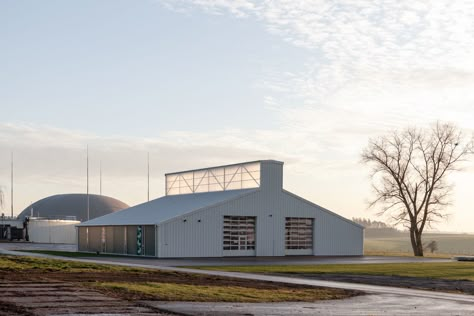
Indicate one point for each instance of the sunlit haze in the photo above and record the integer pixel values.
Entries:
(200, 83)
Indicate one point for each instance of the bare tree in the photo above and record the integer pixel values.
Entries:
(409, 175)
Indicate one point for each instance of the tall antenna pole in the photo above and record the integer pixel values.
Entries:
(148, 168)
(12, 184)
(87, 182)
(100, 179)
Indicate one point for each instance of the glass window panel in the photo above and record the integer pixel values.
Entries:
(231, 170)
(241, 176)
(201, 189)
(187, 175)
(173, 191)
(240, 230)
(216, 179)
(185, 190)
(299, 233)
(214, 187)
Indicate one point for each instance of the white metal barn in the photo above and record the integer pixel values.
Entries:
(233, 210)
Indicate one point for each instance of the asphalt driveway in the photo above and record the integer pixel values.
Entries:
(228, 261)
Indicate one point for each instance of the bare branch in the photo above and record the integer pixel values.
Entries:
(409, 174)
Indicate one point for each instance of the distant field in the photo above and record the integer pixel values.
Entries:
(462, 244)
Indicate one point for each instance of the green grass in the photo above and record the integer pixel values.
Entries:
(167, 285)
(444, 270)
(201, 293)
(20, 263)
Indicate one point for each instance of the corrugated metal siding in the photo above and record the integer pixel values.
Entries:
(149, 239)
(52, 231)
(271, 176)
(333, 235)
(109, 240)
(132, 240)
(199, 234)
(95, 243)
(336, 237)
(82, 240)
(118, 239)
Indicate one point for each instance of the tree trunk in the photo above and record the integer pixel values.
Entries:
(416, 243)
(419, 243)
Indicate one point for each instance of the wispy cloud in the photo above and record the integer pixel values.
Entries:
(387, 61)
(240, 8)
(378, 65)
(375, 66)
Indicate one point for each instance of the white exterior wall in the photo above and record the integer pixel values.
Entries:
(12, 222)
(333, 235)
(53, 231)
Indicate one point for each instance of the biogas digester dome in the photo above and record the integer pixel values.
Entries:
(61, 205)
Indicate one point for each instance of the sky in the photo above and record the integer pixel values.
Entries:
(198, 83)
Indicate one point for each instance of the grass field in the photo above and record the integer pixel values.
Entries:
(209, 293)
(25, 264)
(448, 270)
(454, 244)
(151, 284)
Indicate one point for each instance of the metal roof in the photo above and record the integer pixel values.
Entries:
(165, 208)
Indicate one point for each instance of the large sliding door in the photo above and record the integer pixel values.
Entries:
(298, 236)
(239, 236)
(137, 240)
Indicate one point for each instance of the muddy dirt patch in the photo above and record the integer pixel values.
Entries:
(56, 298)
(444, 285)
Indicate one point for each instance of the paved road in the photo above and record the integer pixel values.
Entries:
(381, 300)
(185, 262)
(251, 261)
(373, 304)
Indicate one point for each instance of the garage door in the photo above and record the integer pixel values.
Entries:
(298, 236)
(239, 236)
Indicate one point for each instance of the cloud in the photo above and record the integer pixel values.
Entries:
(373, 66)
(380, 65)
(390, 60)
(50, 161)
(218, 7)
